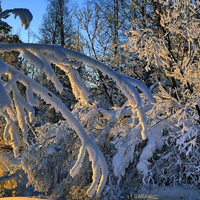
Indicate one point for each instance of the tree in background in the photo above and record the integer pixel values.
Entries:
(100, 23)
(57, 25)
(57, 29)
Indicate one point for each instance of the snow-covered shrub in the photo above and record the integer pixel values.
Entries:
(19, 110)
(48, 161)
(168, 41)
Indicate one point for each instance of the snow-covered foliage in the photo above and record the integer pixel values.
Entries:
(168, 41)
(112, 141)
(41, 56)
(48, 161)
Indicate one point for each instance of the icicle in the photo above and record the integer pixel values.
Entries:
(5, 100)
(7, 127)
(58, 85)
(104, 175)
(79, 89)
(49, 72)
(14, 139)
(20, 112)
(95, 177)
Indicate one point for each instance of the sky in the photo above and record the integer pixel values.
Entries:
(37, 8)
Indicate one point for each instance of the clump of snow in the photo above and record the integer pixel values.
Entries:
(24, 15)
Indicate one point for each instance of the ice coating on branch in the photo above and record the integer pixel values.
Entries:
(96, 176)
(49, 72)
(140, 86)
(29, 94)
(8, 86)
(61, 63)
(20, 112)
(58, 85)
(77, 166)
(11, 130)
(154, 143)
(32, 58)
(14, 139)
(5, 100)
(115, 115)
(143, 120)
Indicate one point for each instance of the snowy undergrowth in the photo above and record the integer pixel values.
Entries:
(48, 162)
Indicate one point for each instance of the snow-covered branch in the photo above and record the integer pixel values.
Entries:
(126, 84)
(24, 15)
(42, 56)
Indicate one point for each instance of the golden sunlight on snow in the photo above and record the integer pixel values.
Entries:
(19, 198)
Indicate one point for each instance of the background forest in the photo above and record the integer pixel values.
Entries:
(141, 116)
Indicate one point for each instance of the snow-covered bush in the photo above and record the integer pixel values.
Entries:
(19, 110)
(110, 150)
(48, 161)
(168, 41)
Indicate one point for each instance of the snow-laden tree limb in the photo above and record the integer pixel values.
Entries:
(42, 56)
(24, 15)
(126, 84)
(95, 155)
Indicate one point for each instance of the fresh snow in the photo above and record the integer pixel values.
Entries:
(21, 198)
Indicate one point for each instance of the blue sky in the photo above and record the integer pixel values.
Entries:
(37, 8)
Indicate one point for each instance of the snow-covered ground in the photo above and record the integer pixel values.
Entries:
(19, 198)
(161, 193)
(171, 193)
